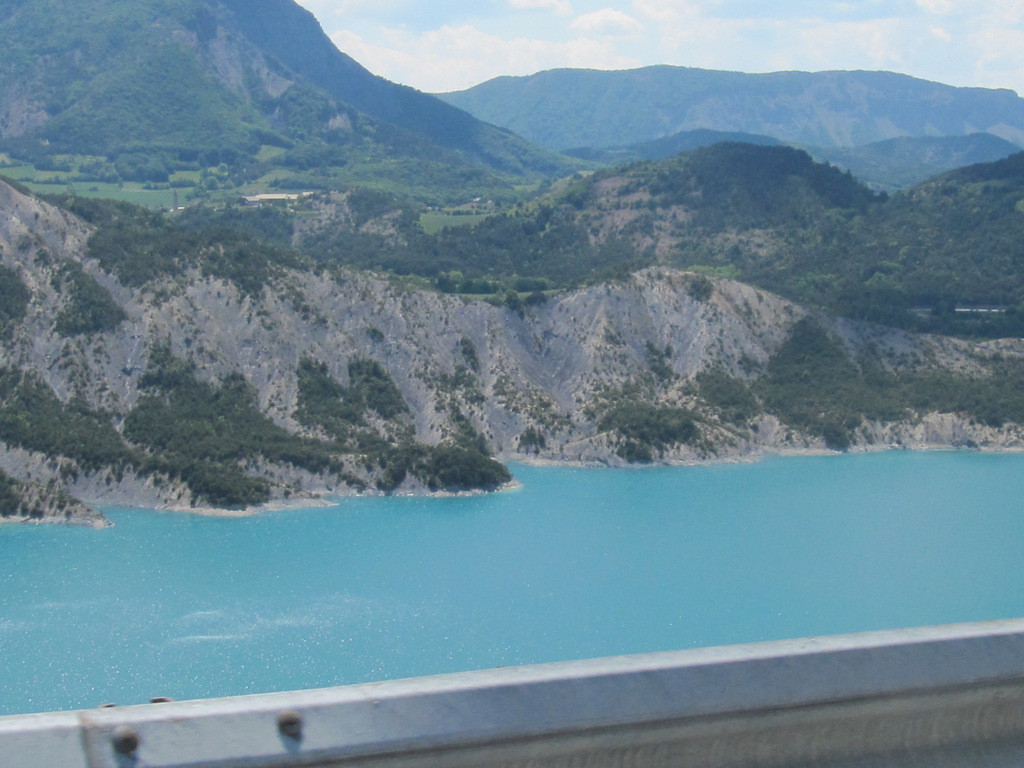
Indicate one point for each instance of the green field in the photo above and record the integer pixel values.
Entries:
(129, 192)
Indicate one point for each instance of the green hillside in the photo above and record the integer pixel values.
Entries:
(889, 165)
(107, 77)
(768, 215)
(608, 223)
(202, 95)
(569, 108)
(934, 258)
(944, 256)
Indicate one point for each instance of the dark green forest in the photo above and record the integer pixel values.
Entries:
(944, 257)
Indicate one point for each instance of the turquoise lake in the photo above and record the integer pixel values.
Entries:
(576, 563)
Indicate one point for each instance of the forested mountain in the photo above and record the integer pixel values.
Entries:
(930, 258)
(147, 89)
(570, 108)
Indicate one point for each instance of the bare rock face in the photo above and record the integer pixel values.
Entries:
(28, 226)
(535, 384)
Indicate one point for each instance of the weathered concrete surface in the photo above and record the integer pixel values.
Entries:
(939, 696)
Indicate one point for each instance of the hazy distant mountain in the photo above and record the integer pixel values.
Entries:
(659, 149)
(569, 108)
(888, 165)
(146, 83)
(900, 163)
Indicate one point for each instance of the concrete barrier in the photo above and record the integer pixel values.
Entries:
(937, 696)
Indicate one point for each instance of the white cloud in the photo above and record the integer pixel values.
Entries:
(998, 63)
(607, 21)
(937, 6)
(323, 8)
(1009, 11)
(659, 10)
(692, 34)
(686, 35)
(453, 58)
(558, 6)
(975, 13)
(876, 44)
(665, 10)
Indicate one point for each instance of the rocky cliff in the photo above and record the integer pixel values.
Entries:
(610, 373)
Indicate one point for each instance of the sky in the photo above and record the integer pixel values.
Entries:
(446, 45)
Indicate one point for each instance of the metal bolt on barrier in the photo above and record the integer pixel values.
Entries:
(125, 740)
(289, 723)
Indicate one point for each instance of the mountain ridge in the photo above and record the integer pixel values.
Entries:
(904, 162)
(575, 108)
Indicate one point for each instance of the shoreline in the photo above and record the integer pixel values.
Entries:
(323, 499)
(278, 505)
(326, 497)
(331, 498)
(766, 453)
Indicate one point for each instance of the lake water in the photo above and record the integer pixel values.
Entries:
(577, 563)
